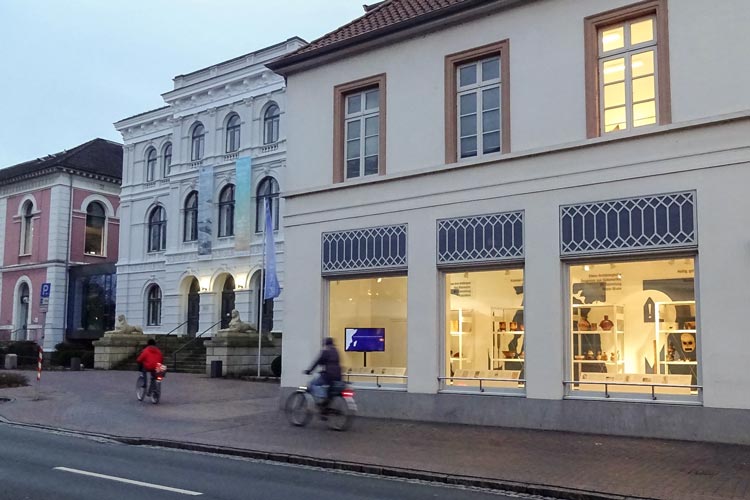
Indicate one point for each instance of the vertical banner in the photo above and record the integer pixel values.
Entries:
(271, 289)
(205, 209)
(243, 203)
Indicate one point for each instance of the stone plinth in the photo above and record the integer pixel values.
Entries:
(116, 347)
(11, 361)
(238, 353)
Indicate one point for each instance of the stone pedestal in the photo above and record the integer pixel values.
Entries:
(11, 361)
(116, 347)
(238, 353)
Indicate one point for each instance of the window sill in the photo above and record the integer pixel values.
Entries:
(95, 255)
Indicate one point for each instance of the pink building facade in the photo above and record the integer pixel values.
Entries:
(59, 217)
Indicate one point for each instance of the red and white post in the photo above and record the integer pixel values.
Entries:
(39, 365)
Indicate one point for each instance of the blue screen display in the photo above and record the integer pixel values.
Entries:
(364, 339)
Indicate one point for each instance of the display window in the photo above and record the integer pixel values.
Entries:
(633, 328)
(367, 320)
(484, 331)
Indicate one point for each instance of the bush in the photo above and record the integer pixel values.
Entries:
(13, 380)
(26, 350)
(276, 366)
(64, 352)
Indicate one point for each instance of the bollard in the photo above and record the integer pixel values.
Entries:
(11, 361)
(216, 369)
(75, 364)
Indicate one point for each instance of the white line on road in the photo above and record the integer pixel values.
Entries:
(129, 481)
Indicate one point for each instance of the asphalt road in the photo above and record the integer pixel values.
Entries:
(37, 464)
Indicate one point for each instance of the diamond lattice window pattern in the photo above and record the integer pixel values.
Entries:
(481, 238)
(362, 250)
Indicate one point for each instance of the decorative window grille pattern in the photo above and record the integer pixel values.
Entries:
(645, 223)
(365, 250)
(481, 238)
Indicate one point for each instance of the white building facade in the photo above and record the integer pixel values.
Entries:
(523, 213)
(197, 176)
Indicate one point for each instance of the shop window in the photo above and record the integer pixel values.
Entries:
(367, 319)
(627, 61)
(633, 328)
(484, 331)
(95, 223)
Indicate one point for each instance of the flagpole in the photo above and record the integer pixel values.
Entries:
(261, 283)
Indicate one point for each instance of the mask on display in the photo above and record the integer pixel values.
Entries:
(688, 342)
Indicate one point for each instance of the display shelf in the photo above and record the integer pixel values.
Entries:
(679, 341)
(592, 339)
(678, 363)
(461, 324)
(667, 331)
(507, 326)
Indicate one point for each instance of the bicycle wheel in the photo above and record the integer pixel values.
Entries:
(339, 415)
(298, 408)
(155, 392)
(140, 388)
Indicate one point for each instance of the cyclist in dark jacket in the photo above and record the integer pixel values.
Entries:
(328, 360)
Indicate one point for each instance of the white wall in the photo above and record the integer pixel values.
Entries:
(709, 77)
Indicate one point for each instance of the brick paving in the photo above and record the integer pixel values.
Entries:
(246, 415)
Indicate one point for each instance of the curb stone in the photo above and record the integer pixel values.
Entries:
(323, 463)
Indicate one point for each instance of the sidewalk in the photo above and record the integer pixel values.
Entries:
(245, 415)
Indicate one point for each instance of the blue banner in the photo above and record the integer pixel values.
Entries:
(272, 289)
(205, 209)
(243, 204)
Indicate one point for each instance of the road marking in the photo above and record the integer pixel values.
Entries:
(129, 481)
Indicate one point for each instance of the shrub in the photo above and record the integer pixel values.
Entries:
(64, 352)
(26, 350)
(276, 366)
(13, 380)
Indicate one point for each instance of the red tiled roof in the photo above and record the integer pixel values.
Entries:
(388, 13)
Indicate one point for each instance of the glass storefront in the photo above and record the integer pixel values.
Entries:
(91, 303)
(633, 328)
(367, 320)
(484, 330)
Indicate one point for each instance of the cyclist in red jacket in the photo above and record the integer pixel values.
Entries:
(149, 358)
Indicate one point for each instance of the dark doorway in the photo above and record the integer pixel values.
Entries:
(227, 301)
(193, 309)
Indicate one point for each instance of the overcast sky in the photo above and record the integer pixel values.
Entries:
(70, 68)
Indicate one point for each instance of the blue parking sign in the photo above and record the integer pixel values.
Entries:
(46, 287)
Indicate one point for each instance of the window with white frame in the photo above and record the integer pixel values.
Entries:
(478, 100)
(96, 221)
(627, 74)
(271, 124)
(157, 230)
(153, 309)
(151, 165)
(27, 228)
(190, 228)
(226, 211)
(233, 134)
(362, 133)
(167, 159)
(198, 142)
(268, 189)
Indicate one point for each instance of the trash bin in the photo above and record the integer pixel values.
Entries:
(216, 369)
(11, 361)
(75, 364)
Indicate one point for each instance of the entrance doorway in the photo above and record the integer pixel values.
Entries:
(22, 313)
(193, 308)
(227, 301)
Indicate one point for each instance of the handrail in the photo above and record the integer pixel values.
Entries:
(174, 354)
(175, 328)
(519, 381)
(376, 376)
(653, 386)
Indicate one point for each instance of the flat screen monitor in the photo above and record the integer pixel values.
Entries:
(364, 339)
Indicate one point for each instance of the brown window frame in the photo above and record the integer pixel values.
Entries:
(340, 92)
(595, 23)
(452, 62)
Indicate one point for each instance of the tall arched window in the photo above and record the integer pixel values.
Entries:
(271, 124)
(151, 165)
(190, 229)
(268, 189)
(199, 139)
(157, 230)
(226, 211)
(95, 222)
(233, 134)
(167, 160)
(27, 228)
(153, 309)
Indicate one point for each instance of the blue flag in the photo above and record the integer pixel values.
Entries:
(272, 289)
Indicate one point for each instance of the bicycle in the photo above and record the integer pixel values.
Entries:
(154, 389)
(339, 413)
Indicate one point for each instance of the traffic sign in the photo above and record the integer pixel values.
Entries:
(46, 288)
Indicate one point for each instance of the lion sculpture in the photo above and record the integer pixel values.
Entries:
(123, 327)
(236, 325)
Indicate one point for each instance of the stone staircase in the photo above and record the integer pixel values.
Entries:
(191, 359)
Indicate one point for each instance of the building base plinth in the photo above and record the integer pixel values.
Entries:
(238, 353)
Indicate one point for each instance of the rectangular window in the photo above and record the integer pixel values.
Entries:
(359, 135)
(484, 331)
(627, 69)
(634, 332)
(367, 320)
(477, 99)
